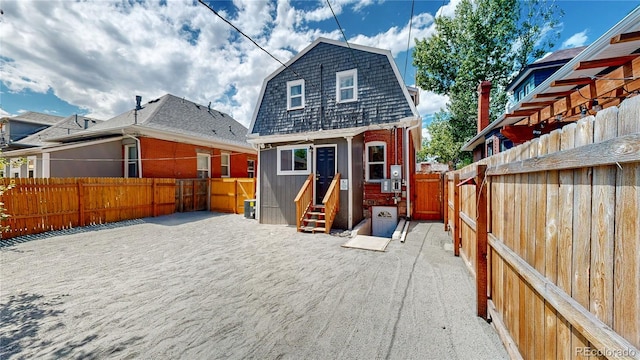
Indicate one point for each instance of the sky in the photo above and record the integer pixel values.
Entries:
(92, 58)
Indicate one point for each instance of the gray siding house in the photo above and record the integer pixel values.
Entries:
(333, 109)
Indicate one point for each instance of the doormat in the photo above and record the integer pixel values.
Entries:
(365, 242)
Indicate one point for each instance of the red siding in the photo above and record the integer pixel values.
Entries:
(372, 194)
(168, 159)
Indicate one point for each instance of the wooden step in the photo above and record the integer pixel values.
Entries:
(321, 221)
(312, 229)
(315, 213)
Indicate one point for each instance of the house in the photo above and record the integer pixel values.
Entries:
(66, 126)
(168, 137)
(337, 122)
(604, 73)
(14, 128)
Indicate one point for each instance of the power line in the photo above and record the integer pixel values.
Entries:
(355, 59)
(249, 38)
(260, 47)
(406, 60)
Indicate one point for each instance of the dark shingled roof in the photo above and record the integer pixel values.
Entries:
(564, 54)
(37, 118)
(381, 99)
(170, 113)
(69, 125)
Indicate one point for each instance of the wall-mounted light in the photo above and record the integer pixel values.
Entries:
(595, 105)
(583, 110)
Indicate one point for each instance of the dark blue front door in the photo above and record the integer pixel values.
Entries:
(325, 170)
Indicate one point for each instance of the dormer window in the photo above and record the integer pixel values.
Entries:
(347, 86)
(295, 94)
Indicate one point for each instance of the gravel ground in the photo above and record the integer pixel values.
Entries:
(209, 286)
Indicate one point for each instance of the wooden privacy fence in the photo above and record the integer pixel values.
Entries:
(228, 194)
(39, 205)
(551, 231)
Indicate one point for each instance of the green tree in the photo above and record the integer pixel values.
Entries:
(442, 147)
(485, 40)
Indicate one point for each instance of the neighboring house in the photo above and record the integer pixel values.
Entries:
(29, 168)
(168, 137)
(335, 109)
(545, 92)
(523, 84)
(14, 128)
(537, 72)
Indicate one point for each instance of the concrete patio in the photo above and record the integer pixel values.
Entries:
(204, 286)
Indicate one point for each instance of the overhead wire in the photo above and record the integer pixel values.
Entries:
(248, 37)
(258, 45)
(406, 60)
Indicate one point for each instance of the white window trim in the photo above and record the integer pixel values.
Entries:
(293, 172)
(290, 84)
(366, 160)
(228, 156)
(13, 169)
(249, 171)
(342, 74)
(208, 156)
(127, 160)
(35, 166)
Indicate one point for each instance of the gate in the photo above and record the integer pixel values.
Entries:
(192, 195)
(428, 203)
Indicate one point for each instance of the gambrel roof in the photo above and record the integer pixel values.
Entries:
(382, 98)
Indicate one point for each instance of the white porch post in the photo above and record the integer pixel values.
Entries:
(350, 176)
(46, 165)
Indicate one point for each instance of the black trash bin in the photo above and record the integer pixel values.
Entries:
(250, 208)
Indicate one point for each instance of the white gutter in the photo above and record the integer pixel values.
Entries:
(406, 163)
(139, 152)
(350, 177)
(327, 134)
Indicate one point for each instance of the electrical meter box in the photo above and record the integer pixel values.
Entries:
(396, 172)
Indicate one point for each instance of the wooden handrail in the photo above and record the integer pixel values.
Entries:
(331, 203)
(303, 199)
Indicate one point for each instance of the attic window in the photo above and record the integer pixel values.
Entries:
(347, 86)
(295, 94)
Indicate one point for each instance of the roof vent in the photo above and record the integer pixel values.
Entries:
(209, 107)
(138, 101)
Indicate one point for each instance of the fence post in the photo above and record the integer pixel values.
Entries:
(81, 219)
(181, 195)
(153, 198)
(209, 184)
(456, 214)
(445, 202)
(235, 196)
(481, 242)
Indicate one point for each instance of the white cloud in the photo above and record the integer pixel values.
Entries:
(449, 9)
(3, 113)
(395, 39)
(577, 39)
(431, 103)
(99, 55)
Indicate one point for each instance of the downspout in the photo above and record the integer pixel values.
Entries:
(139, 152)
(257, 177)
(407, 159)
(350, 176)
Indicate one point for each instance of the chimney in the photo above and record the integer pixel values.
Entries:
(138, 101)
(86, 123)
(484, 91)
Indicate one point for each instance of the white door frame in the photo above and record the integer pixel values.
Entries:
(315, 159)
